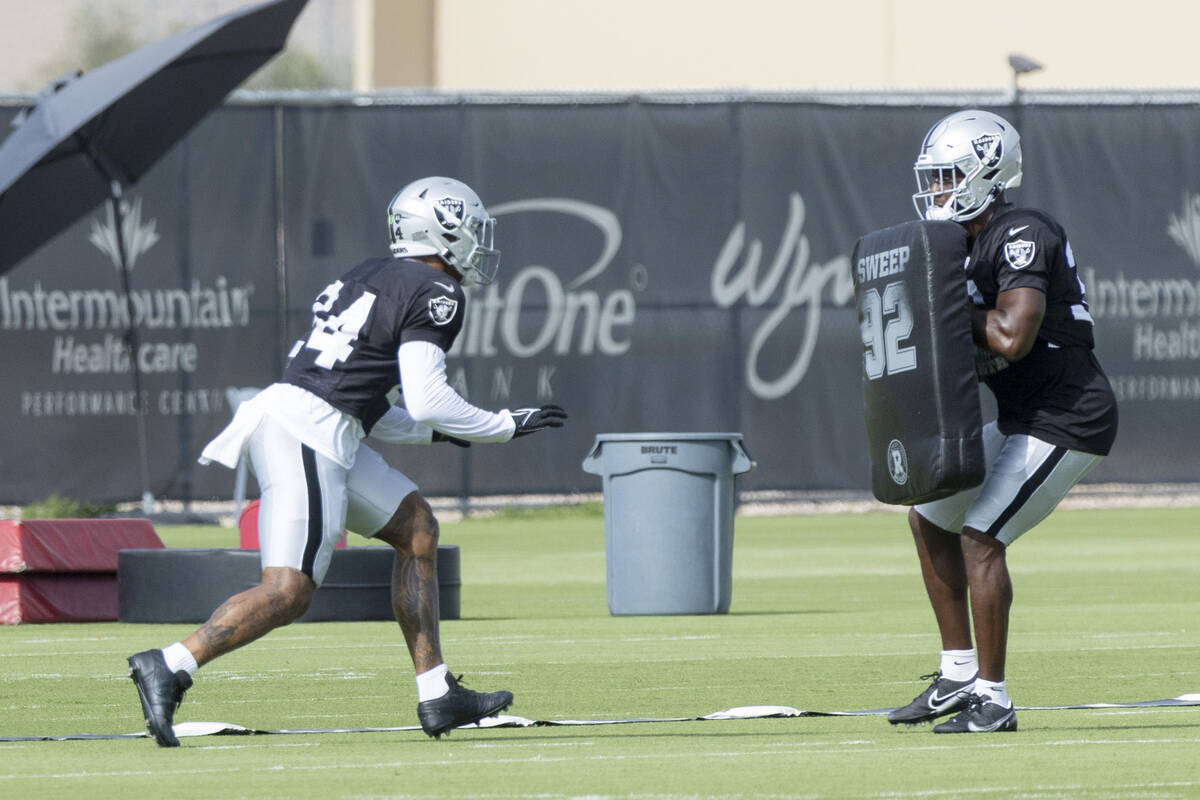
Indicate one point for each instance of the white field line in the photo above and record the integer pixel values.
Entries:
(859, 654)
(1056, 791)
(257, 646)
(497, 745)
(321, 716)
(505, 666)
(542, 640)
(290, 700)
(590, 796)
(1075, 790)
(802, 749)
(1116, 712)
(68, 640)
(100, 708)
(245, 746)
(560, 796)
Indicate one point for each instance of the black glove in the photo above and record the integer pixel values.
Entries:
(438, 436)
(532, 420)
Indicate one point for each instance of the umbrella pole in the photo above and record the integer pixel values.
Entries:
(131, 339)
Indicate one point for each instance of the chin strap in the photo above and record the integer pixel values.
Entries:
(936, 213)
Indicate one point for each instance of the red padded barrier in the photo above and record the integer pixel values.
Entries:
(65, 570)
(58, 597)
(71, 545)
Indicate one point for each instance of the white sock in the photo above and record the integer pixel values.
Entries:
(994, 691)
(431, 684)
(959, 665)
(179, 658)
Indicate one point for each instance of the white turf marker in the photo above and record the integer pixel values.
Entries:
(190, 729)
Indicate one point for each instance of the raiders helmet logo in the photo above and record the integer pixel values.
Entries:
(988, 149)
(897, 462)
(442, 309)
(449, 212)
(1019, 253)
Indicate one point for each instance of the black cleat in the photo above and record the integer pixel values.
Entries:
(980, 716)
(943, 696)
(160, 691)
(459, 706)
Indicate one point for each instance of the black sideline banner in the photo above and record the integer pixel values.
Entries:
(667, 266)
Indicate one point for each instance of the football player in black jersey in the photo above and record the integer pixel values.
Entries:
(387, 322)
(1057, 416)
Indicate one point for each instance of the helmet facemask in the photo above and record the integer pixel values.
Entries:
(471, 251)
(944, 193)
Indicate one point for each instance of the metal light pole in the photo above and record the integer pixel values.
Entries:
(1021, 65)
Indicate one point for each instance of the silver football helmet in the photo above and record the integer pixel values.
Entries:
(967, 160)
(445, 218)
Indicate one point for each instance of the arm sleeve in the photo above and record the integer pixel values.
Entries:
(431, 401)
(397, 426)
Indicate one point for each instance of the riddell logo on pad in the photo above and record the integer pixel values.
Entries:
(897, 462)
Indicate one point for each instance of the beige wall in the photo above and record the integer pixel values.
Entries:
(813, 44)
(393, 43)
(644, 45)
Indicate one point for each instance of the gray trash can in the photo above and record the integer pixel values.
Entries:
(668, 519)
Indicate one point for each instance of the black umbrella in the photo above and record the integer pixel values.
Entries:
(89, 135)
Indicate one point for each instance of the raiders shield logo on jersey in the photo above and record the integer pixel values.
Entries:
(449, 212)
(988, 149)
(442, 309)
(1019, 253)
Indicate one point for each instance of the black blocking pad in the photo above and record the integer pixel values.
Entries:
(924, 424)
(186, 585)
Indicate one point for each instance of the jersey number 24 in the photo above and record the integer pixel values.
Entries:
(333, 335)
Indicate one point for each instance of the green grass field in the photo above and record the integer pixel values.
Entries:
(828, 614)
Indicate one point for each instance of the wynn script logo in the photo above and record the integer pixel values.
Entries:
(792, 281)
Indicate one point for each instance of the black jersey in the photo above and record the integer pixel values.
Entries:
(1057, 392)
(359, 323)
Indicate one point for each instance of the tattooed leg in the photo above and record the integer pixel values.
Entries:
(283, 595)
(413, 532)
